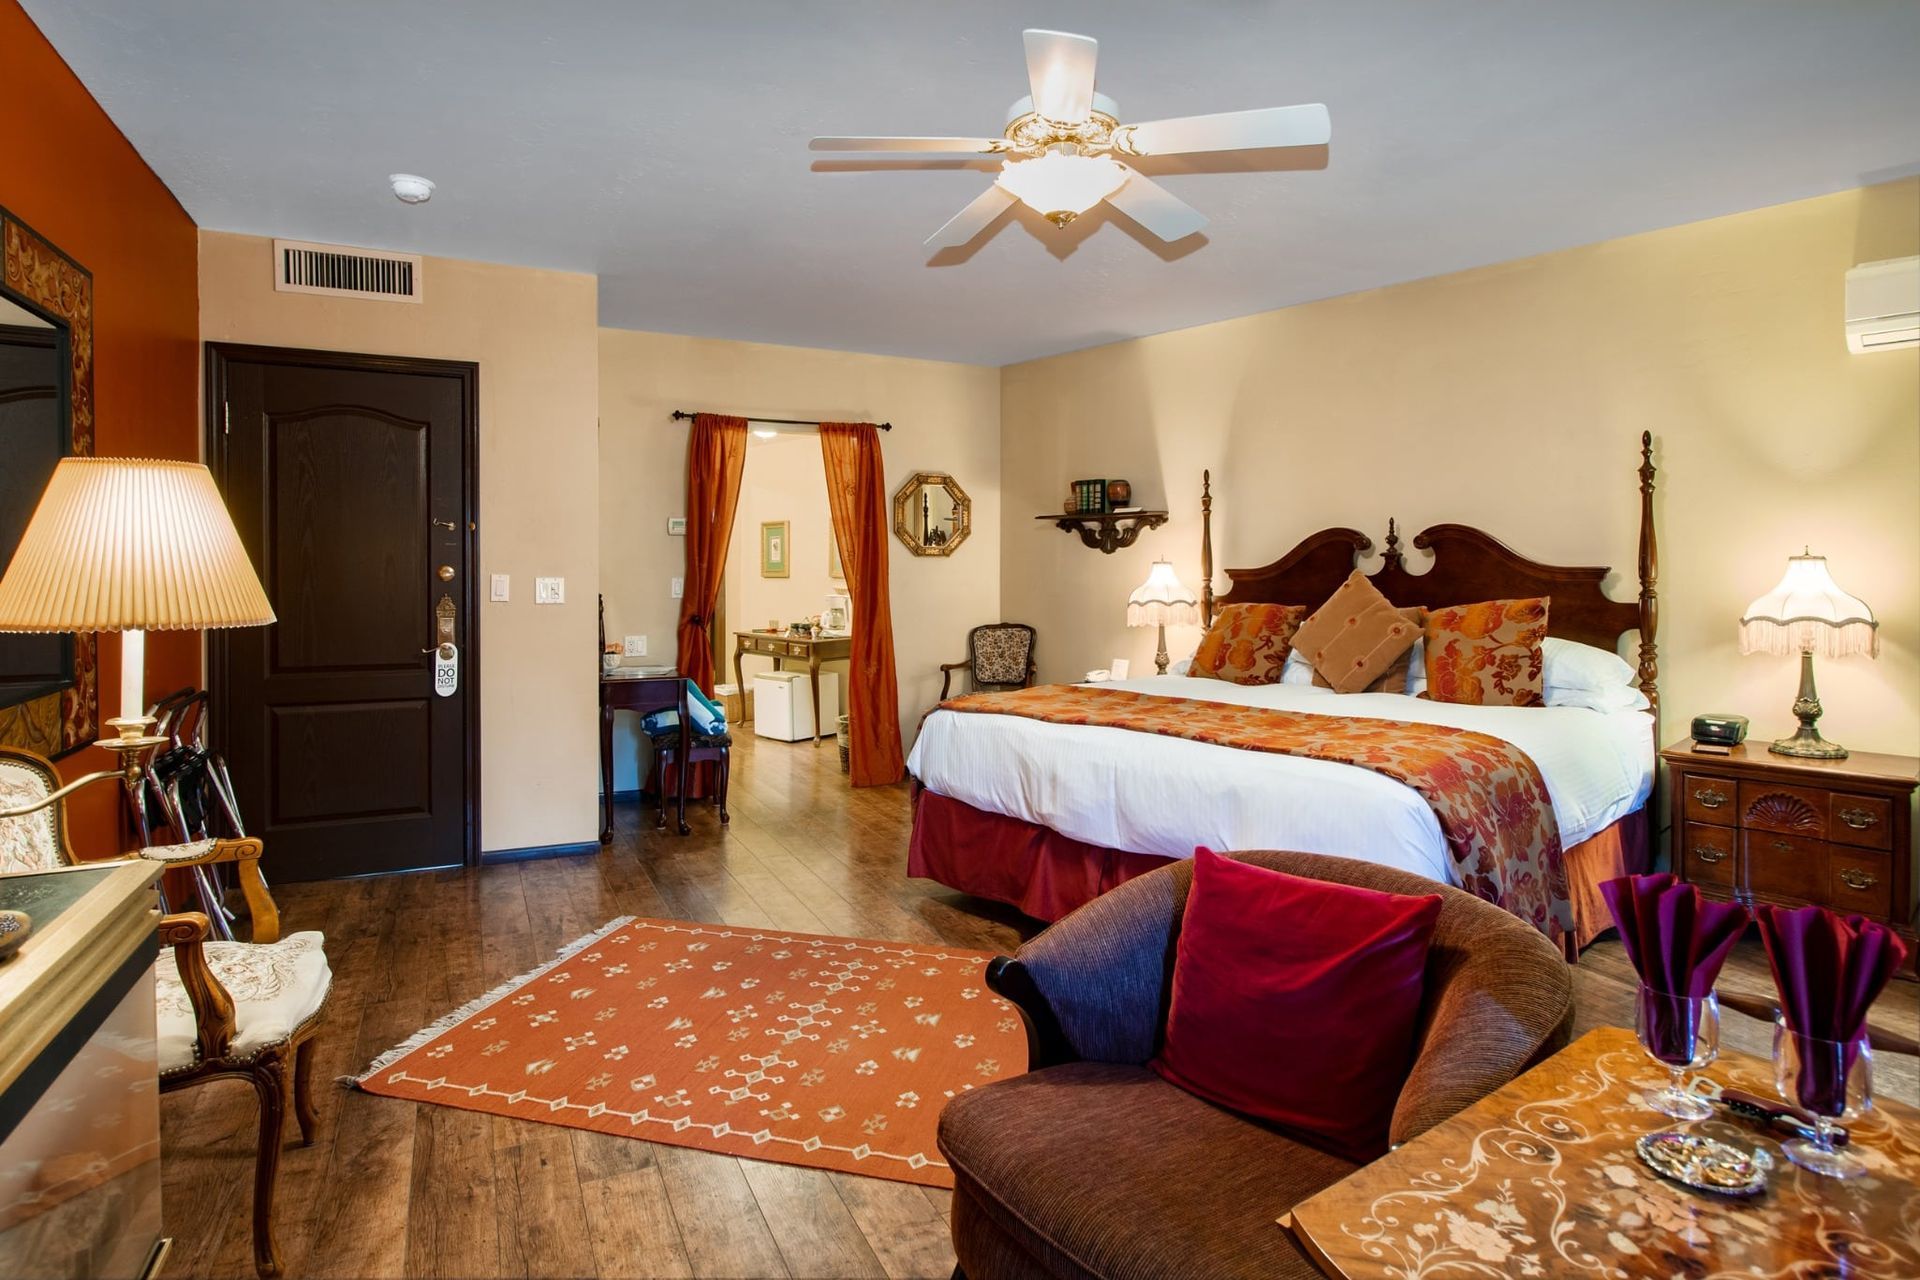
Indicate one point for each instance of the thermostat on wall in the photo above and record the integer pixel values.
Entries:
(676, 526)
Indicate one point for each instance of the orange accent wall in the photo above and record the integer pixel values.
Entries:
(73, 177)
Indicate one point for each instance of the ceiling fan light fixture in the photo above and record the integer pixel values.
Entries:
(1061, 185)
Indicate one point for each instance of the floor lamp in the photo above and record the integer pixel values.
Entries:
(128, 545)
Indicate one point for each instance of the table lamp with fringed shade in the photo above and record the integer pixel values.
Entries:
(1162, 601)
(1808, 613)
(129, 545)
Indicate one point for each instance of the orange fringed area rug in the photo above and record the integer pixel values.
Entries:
(836, 1053)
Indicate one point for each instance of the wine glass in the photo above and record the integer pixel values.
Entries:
(1830, 1079)
(1681, 1033)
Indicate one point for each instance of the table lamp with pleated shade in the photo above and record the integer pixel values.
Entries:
(1808, 613)
(130, 545)
(1162, 601)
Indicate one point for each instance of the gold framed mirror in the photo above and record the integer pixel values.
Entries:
(932, 514)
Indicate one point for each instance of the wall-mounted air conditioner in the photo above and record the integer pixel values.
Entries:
(1883, 305)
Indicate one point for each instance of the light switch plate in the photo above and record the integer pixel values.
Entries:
(500, 587)
(676, 526)
(635, 647)
(549, 590)
(679, 587)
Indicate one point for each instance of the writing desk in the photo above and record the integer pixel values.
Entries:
(779, 646)
(641, 694)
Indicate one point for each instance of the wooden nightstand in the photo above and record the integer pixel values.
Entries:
(1758, 827)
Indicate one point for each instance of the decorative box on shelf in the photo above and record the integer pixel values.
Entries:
(1108, 531)
(1759, 827)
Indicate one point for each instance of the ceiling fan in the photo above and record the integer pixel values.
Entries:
(1061, 144)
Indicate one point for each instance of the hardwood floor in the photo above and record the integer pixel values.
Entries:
(394, 1188)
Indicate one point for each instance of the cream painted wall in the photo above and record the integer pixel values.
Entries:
(533, 335)
(786, 479)
(946, 417)
(1512, 397)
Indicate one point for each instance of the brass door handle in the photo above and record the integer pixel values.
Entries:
(1859, 819)
(448, 525)
(1710, 855)
(1710, 799)
(1857, 879)
(1784, 846)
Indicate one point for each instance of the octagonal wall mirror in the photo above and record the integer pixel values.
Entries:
(932, 514)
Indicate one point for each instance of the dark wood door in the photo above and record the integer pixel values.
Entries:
(33, 439)
(350, 479)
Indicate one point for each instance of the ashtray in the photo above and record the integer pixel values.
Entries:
(1705, 1165)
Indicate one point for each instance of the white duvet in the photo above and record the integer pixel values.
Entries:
(1149, 793)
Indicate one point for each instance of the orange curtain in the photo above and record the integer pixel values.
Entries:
(716, 457)
(857, 492)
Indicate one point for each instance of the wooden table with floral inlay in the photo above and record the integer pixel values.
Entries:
(1540, 1179)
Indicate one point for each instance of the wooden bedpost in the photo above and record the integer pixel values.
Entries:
(1206, 548)
(1649, 580)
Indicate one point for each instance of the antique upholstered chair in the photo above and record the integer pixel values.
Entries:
(1092, 1165)
(999, 656)
(706, 742)
(226, 1010)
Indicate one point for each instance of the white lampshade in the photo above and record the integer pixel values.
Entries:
(121, 544)
(1809, 613)
(1060, 185)
(1163, 600)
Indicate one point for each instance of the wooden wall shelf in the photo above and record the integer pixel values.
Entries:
(1108, 531)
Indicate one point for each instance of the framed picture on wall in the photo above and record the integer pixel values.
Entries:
(774, 550)
(834, 568)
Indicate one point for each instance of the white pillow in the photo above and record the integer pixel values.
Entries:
(1618, 698)
(1181, 668)
(1571, 665)
(1298, 670)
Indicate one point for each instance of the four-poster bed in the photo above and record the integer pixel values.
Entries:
(1045, 812)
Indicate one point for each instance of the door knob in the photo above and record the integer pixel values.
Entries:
(445, 572)
(448, 525)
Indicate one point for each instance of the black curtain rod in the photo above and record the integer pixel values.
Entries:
(683, 415)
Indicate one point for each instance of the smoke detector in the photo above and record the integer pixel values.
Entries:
(411, 188)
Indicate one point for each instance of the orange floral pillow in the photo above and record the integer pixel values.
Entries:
(1248, 643)
(1488, 654)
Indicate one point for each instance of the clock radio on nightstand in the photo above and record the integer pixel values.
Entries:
(1720, 731)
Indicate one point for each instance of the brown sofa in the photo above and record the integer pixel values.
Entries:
(1091, 1165)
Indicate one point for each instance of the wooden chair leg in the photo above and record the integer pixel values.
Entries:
(303, 1092)
(270, 1084)
(720, 787)
(664, 759)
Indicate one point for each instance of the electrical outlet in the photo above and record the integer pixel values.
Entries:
(549, 590)
(679, 587)
(500, 587)
(635, 647)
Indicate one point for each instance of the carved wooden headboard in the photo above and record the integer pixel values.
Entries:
(1468, 565)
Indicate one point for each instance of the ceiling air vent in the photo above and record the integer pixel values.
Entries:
(299, 267)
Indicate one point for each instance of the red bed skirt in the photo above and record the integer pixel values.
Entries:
(1046, 874)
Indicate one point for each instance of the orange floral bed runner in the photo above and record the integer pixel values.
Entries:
(1488, 795)
(837, 1053)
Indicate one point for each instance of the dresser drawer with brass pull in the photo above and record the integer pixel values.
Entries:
(1783, 867)
(1865, 821)
(1707, 854)
(1711, 799)
(1858, 883)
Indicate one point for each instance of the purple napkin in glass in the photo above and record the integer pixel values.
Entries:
(1828, 971)
(1676, 941)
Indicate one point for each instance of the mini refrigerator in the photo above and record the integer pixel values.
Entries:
(783, 704)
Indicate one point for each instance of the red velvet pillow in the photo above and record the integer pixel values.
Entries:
(1295, 1000)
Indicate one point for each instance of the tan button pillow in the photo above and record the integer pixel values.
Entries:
(1355, 636)
(1248, 643)
(1488, 654)
(1394, 678)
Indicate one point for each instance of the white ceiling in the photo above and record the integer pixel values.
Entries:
(663, 146)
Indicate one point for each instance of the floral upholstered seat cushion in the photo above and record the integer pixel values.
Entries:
(29, 843)
(1248, 643)
(275, 987)
(1488, 654)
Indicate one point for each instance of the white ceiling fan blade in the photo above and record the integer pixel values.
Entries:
(972, 220)
(1060, 69)
(979, 146)
(1303, 126)
(1156, 208)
